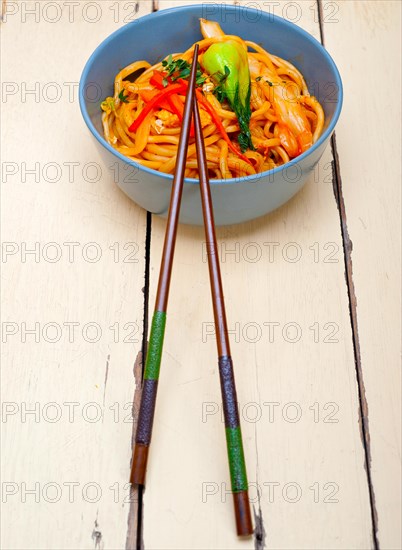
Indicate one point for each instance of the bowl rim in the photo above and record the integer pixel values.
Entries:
(231, 181)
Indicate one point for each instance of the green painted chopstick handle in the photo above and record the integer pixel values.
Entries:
(234, 442)
(237, 464)
(155, 346)
(148, 397)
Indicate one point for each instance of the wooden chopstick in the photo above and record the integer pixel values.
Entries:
(154, 353)
(152, 366)
(234, 441)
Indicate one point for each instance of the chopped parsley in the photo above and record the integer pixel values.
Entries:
(179, 68)
(266, 81)
(122, 97)
(200, 78)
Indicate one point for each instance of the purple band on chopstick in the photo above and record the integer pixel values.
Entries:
(229, 397)
(147, 410)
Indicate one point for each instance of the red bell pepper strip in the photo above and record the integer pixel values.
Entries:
(162, 95)
(157, 80)
(178, 107)
(217, 121)
(148, 95)
(175, 105)
(172, 104)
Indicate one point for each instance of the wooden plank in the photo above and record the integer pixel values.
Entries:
(76, 457)
(318, 461)
(371, 192)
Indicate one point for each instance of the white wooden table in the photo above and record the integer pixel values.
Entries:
(313, 305)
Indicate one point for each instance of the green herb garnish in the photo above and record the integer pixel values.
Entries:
(179, 68)
(122, 97)
(265, 81)
(200, 78)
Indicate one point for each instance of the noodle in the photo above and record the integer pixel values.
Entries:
(284, 122)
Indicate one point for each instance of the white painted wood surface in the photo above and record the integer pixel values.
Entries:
(321, 455)
(304, 453)
(36, 451)
(371, 185)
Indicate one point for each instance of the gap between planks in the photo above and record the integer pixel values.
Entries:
(347, 251)
(134, 537)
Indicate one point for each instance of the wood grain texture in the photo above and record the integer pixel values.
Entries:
(77, 456)
(371, 191)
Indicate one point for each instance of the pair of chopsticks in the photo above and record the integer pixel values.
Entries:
(152, 366)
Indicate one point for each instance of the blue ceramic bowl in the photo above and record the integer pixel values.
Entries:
(153, 37)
